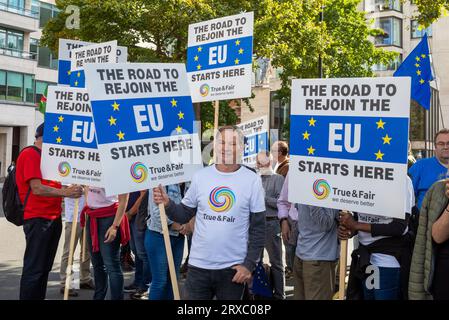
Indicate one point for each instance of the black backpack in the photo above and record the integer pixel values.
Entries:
(12, 206)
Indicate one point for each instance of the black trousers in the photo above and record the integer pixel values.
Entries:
(42, 238)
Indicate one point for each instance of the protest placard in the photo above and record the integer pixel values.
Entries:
(255, 134)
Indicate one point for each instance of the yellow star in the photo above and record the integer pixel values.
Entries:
(423, 56)
(174, 103)
(78, 74)
(237, 42)
(121, 135)
(421, 81)
(417, 65)
(180, 115)
(76, 83)
(198, 67)
(379, 155)
(178, 129)
(311, 122)
(418, 72)
(241, 51)
(311, 150)
(200, 49)
(69, 72)
(58, 140)
(60, 118)
(386, 139)
(115, 106)
(112, 121)
(195, 58)
(305, 136)
(380, 124)
(417, 58)
(55, 129)
(236, 61)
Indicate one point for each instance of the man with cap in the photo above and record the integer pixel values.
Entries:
(42, 219)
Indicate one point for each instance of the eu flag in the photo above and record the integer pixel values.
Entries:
(417, 66)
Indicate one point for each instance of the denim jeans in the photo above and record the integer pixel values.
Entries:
(203, 284)
(42, 238)
(142, 275)
(106, 262)
(161, 288)
(389, 285)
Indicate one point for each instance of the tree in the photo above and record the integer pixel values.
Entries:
(289, 32)
(431, 10)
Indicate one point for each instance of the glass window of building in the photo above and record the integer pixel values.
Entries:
(2, 85)
(279, 116)
(46, 58)
(2, 38)
(28, 85)
(11, 42)
(34, 43)
(383, 5)
(390, 67)
(392, 28)
(14, 90)
(35, 5)
(419, 31)
(40, 90)
(46, 12)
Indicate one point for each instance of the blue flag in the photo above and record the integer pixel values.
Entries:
(261, 286)
(417, 66)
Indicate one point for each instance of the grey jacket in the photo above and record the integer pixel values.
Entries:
(272, 184)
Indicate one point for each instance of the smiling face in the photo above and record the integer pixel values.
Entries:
(229, 147)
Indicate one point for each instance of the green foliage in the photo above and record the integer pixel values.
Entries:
(431, 10)
(289, 32)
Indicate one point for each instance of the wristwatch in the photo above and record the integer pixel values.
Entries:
(115, 227)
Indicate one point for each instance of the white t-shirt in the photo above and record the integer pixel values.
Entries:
(69, 208)
(96, 198)
(365, 238)
(224, 202)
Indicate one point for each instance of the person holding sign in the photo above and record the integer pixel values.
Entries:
(379, 266)
(430, 262)
(42, 219)
(107, 229)
(227, 200)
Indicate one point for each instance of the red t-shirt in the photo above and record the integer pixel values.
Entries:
(28, 168)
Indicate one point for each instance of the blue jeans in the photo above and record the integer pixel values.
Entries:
(161, 288)
(389, 285)
(106, 262)
(142, 275)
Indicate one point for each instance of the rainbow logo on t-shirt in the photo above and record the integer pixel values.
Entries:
(221, 199)
(64, 169)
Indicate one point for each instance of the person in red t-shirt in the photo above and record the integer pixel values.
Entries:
(42, 219)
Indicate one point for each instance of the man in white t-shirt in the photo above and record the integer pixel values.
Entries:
(228, 202)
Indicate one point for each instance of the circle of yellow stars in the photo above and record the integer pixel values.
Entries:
(380, 125)
(121, 135)
(418, 65)
(200, 49)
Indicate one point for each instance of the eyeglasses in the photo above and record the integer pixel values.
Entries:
(442, 144)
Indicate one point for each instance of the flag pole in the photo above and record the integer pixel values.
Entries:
(440, 110)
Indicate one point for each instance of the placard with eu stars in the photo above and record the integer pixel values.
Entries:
(255, 133)
(348, 144)
(219, 58)
(69, 150)
(144, 120)
(76, 78)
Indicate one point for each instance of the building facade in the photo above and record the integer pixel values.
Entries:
(25, 71)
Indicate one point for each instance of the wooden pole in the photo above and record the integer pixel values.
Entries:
(343, 261)
(171, 264)
(71, 252)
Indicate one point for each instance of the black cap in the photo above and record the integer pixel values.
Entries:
(39, 131)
